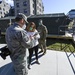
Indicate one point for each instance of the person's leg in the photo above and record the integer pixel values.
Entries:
(30, 56)
(20, 65)
(44, 46)
(40, 45)
(36, 54)
(36, 51)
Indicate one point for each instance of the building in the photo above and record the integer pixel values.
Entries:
(29, 7)
(11, 11)
(4, 8)
(71, 14)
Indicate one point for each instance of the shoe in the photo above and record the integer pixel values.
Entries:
(44, 53)
(41, 51)
(37, 62)
(29, 66)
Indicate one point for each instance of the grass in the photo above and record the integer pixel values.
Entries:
(54, 44)
(60, 45)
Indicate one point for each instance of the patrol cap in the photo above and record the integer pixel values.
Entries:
(21, 16)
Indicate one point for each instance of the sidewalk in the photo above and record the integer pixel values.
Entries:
(52, 63)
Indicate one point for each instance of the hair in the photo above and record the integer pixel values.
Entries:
(31, 24)
(18, 19)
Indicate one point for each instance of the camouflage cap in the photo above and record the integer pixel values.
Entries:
(21, 15)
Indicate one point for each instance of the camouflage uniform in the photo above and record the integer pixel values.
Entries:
(17, 41)
(42, 41)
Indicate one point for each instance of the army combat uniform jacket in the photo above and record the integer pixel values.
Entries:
(42, 31)
(17, 41)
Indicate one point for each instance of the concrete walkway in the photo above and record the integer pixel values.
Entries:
(52, 63)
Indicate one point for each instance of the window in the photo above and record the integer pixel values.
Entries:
(18, 11)
(3, 9)
(17, 4)
(25, 11)
(33, 6)
(25, 3)
(4, 5)
(1, 16)
(0, 8)
(7, 12)
(0, 12)
(33, 12)
(40, 4)
(4, 13)
(0, 2)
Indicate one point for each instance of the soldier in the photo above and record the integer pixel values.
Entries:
(43, 32)
(17, 41)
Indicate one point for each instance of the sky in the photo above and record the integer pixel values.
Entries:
(55, 6)
(58, 6)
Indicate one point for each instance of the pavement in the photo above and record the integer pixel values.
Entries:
(52, 63)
